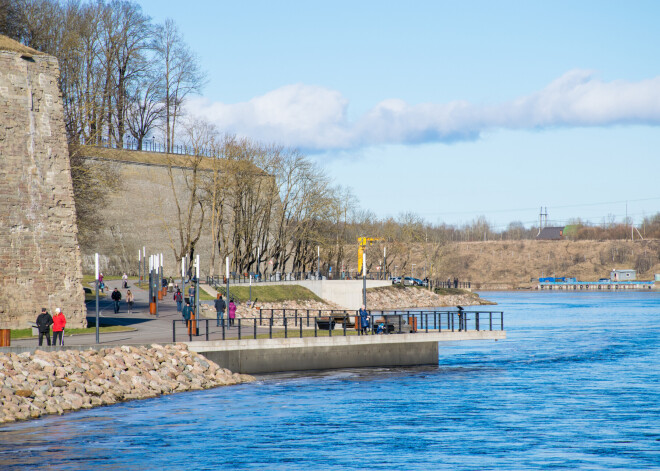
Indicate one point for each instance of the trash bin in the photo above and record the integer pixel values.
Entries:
(412, 322)
(278, 276)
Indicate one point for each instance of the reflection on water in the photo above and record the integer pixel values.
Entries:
(575, 386)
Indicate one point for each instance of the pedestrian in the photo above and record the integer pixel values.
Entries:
(461, 318)
(191, 292)
(101, 284)
(220, 309)
(124, 280)
(59, 321)
(448, 282)
(130, 299)
(178, 297)
(455, 282)
(187, 312)
(232, 312)
(116, 297)
(44, 321)
(364, 320)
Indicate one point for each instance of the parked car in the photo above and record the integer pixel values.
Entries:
(604, 280)
(396, 280)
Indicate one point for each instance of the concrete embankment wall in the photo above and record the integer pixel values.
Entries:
(319, 353)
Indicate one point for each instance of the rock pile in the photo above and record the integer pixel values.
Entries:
(54, 382)
(395, 297)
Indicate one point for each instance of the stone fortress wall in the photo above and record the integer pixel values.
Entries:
(142, 213)
(40, 261)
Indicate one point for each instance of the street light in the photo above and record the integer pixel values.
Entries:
(413, 273)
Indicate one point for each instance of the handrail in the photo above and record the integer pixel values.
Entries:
(378, 322)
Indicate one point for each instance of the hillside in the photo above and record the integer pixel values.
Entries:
(519, 264)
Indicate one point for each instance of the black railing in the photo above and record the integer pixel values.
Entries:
(298, 323)
(151, 145)
(243, 278)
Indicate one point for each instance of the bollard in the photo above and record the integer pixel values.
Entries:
(5, 337)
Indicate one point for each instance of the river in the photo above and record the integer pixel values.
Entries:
(574, 386)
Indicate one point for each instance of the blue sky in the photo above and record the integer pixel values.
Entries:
(452, 110)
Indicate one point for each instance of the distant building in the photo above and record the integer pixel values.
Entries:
(623, 275)
(551, 233)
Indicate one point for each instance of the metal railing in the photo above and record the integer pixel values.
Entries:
(301, 322)
(151, 145)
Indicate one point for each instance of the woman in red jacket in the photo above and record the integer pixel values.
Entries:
(59, 321)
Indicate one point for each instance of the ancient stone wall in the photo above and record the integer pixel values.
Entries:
(142, 213)
(40, 263)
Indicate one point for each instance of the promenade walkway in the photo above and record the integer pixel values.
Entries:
(148, 328)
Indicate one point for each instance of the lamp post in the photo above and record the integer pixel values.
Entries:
(183, 278)
(412, 282)
(139, 267)
(144, 260)
(318, 262)
(197, 286)
(96, 272)
(227, 287)
(364, 279)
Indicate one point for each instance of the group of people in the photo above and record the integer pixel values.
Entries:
(220, 307)
(116, 299)
(44, 321)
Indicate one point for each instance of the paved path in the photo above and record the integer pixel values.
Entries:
(148, 328)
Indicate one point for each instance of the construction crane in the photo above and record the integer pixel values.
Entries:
(362, 245)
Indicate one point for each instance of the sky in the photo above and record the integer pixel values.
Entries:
(451, 110)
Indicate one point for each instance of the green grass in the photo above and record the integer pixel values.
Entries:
(90, 278)
(27, 333)
(269, 294)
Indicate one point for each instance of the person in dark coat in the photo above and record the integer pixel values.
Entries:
(178, 297)
(44, 321)
(187, 311)
(364, 320)
(220, 309)
(461, 318)
(116, 297)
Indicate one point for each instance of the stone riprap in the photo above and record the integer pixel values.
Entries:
(40, 383)
(39, 254)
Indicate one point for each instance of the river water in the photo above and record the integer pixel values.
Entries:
(574, 386)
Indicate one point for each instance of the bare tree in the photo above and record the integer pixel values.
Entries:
(180, 75)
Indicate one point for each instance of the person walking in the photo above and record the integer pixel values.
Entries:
(101, 284)
(187, 313)
(130, 299)
(461, 319)
(220, 309)
(59, 322)
(116, 297)
(44, 321)
(232, 312)
(364, 320)
(178, 297)
(124, 280)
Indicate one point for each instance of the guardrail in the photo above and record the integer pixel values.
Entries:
(276, 322)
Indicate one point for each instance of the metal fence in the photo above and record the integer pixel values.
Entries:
(298, 323)
(151, 145)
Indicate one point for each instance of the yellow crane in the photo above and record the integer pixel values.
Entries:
(362, 245)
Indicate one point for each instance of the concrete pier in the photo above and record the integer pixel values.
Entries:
(255, 356)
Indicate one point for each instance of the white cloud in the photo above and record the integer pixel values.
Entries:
(315, 118)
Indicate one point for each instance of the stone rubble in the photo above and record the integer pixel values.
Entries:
(388, 298)
(40, 383)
